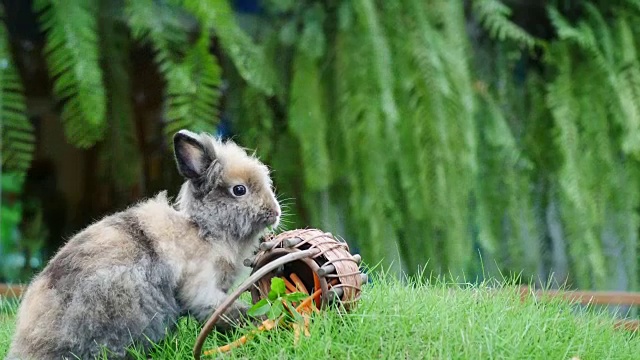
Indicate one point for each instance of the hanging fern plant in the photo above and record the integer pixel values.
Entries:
(72, 52)
(120, 158)
(494, 16)
(307, 115)
(18, 140)
(192, 74)
(418, 144)
(248, 57)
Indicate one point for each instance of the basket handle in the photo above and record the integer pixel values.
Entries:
(208, 326)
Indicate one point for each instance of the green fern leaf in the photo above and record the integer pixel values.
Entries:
(382, 68)
(193, 91)
(72, 52)
(581, 36)
(253, 117)
(193, 79)
(633, 5)
(494, 15)
(307, 121)
(579, 210)
(247, 56)
(166, 26)
(629, 88)
(18, 139)
(119, 152)
(601, 30)
(360, 125)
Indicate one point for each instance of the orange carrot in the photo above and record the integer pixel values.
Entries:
(316, 286)
(299, 284)
(289, 285)
(266, 325)
(306, 302)
(228, 347)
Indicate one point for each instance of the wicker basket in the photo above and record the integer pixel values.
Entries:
(332, 261)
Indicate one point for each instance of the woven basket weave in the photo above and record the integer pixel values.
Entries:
(333, 261)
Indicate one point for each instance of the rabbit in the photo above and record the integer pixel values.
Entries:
(126, 279)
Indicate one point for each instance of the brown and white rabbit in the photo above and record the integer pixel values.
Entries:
(129, 277)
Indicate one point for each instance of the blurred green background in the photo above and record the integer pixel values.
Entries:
(475, 138)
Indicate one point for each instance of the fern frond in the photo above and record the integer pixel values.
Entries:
(160, 25)
(625, 219)
(633, 5)
(582, 36)
(601, 31)
(579, 209)
(193, 79)
(307, 121)
(367, 14)
(461, 102)
(361, 125)
(254, 121)
(415, 164)
(18, 139)
(494, 16)
(247, 56)
(442, 57)
(72, 52)
(119, 152)
(193, 91)
(629, 88)
(306, 112)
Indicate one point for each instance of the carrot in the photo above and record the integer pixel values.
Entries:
(299, 283)
(266, 325)
(228, 347)
(289, 285)
(316, 286)
(306, 302)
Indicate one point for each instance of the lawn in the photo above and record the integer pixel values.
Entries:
(441, 321)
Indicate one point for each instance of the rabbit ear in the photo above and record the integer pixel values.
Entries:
(191, 156)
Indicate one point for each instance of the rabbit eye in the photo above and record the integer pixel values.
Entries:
(239, 190)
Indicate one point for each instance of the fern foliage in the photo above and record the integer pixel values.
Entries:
(308, 121)
(73, 56)
(192, 76)
(361, 126)
(388, 122)
(120, 158)
(471, 157)
(18, 139)
(494, 15)
(248, 57)
(194, 99)
(594, 102)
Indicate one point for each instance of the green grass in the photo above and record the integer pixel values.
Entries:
(443, 321)
(7, 310)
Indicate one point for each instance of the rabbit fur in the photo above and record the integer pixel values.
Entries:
(130, 276)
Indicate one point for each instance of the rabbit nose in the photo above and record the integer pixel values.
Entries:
(273, 215)
(274, 212)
